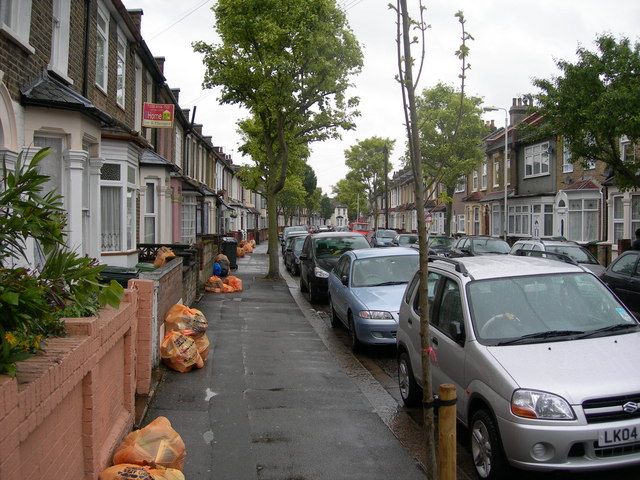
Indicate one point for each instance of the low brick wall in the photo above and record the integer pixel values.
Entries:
(70, 406)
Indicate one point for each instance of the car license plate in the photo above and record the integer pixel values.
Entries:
(618, 436)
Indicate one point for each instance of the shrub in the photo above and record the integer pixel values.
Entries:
(34, 298)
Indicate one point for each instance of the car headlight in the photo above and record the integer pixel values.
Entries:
(375, 315)
(320, 273)
(543, 405)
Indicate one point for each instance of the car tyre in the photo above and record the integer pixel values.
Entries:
(486, 448)
(356, 346)
(335, 321)
(314, 297)
(409, 390)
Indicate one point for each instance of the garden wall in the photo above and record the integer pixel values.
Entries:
(70, 406)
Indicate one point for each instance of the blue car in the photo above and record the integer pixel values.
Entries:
(365, 291)
(383, 238)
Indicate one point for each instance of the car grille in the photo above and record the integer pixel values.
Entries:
(616, 451)
(611, 409)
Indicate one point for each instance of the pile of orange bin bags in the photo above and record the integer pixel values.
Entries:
(245, 247)
(155, 452)
(185, 344)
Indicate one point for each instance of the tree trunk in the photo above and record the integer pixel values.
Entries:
(416, 165)
(272, 214)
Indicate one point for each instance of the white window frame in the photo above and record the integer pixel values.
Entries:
(15, 21)
(461, 224)
(126, 195)
(484, 175)
(519, 221)
(618, 218)
(189, 220)
(461, 186)
(536, 160)
(102, 50)
(475, 180)
(582, 213)
(121, 69)
(150, 210)
(627, 152)
(567, 166)
(496, 172)
(59, 61)
(497, 223)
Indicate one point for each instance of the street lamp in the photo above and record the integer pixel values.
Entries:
(506, 132)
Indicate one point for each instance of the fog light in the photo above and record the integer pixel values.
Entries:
(377, 335)
(542, 451)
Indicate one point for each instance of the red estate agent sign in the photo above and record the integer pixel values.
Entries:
(157, 115)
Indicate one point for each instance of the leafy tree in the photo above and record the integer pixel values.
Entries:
(288, 62)
(594, 102)
(292, 197)
(33, 300)
(351, 193)
(326, 209)
(451, 129)
(366, 161)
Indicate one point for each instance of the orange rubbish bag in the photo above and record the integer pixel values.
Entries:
(156, 444)
(181, 317)
(179, 352)
(129, 471)
(202, 345)
(240, 252)
(233, 282)
(214, 282)
(164, 253)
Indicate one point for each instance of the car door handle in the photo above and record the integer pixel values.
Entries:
(434, 340)
(409, 321)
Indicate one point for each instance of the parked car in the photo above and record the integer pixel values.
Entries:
(544, 359)
(365, 291)
(478, 245)
(288, 230)
(404, 239)
(292, 254)
(382, 238)
(440, 245)
(320, 253)
(623, 278)
(292, 233)
(361, 227)
(572, 250)
(342, 228)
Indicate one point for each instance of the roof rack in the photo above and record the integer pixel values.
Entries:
(459, 267)
(543, 254)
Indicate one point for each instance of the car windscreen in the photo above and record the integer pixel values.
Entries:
(441, 241)
(331, 247)
(490, 245)
(407, 240)
(387, 270)
(386, 233)
(550, 307)
(297, 244)
(576, 253)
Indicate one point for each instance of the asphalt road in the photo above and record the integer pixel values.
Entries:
(381, 364)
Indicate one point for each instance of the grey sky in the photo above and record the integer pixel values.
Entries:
(514, 41)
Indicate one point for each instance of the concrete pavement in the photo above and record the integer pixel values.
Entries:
(272, 402)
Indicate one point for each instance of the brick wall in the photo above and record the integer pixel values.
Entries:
(70, 406)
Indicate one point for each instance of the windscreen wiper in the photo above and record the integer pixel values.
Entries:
(541, 335)
(611, 328)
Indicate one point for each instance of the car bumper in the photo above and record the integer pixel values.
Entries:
(376, 332)
(567, 446)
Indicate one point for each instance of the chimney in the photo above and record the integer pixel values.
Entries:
(136, 17)
(518, 111)
(176, 94)
(160, 63)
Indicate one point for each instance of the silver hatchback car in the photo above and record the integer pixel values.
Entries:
(543, 357)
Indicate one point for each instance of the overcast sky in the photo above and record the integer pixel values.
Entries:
(514, 42)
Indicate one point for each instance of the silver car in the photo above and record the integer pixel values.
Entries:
(543, 357)
(572, 250)
(365, 290)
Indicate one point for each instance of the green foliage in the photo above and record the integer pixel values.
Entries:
(33, 300)
(351, 193)
(326, 209)
(288, 62)
(594, 102)
(366, 163)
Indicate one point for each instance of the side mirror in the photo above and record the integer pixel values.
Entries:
(303, 257)
(345, 280)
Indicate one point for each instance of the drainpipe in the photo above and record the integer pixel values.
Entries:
(87, 28)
